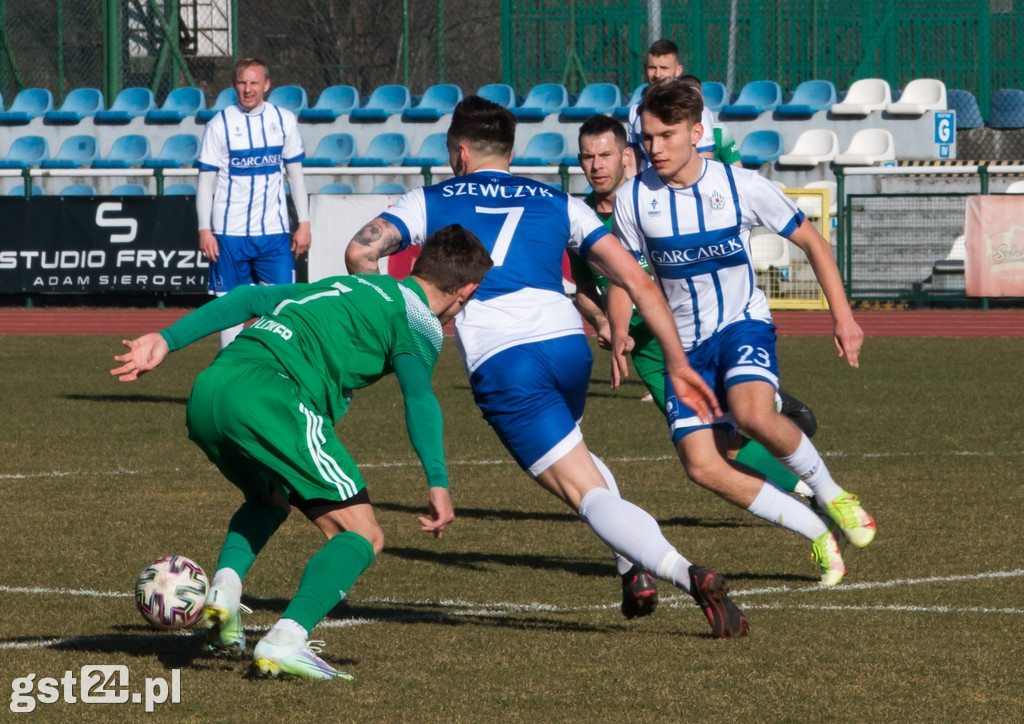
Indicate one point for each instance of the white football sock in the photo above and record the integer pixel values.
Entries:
(782, 509)
(806, 464)
(633, 532)
(622, 564)
(228, 581)
(286, 630)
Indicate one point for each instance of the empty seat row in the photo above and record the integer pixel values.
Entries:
(867, 147)
(127, 189)
(83, 151)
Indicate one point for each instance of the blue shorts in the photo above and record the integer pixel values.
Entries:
(742, 352)
(246, 260)
(533, 396)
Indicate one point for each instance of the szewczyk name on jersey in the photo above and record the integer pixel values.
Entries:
(495, 191)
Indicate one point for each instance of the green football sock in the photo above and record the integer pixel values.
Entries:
(754, 455)
(249, 530)
(329, 575)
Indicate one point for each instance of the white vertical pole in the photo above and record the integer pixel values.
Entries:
(653, 21)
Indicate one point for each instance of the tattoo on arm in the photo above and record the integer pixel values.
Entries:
(381, 238)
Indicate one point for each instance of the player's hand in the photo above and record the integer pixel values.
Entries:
(693, 391)
(143, 354)
(441, 512)
(621, 345)
(848, 338)
(208, 245)
(301, 240)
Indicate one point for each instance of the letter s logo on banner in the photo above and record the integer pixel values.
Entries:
(114, 222)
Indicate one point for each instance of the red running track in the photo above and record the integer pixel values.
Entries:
(925, 323)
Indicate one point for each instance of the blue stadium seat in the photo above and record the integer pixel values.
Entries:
(336, 188)
(759, 147)
(180, 189)
(79, 104)
(594, 98)
(438, 100)
(181, 103)
(26, 151)
(754, 99)
(384, 150)
(290, 97)
(79, 190)
(715, 94)
(129, 103)
(335, 101)
(1006, 108)
(127, 151)
(543, 149)
(622, 112)
(28, 104)
(541, 101)
(179, 150)
(963, 102)
(501, 93)
(224, 99)
(809, 97)
(129, 190)
(334, 149)
(392, 187)
(384, 102)
(19, 190)
(432, 152)
(75, 152)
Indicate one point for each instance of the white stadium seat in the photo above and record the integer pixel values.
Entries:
(864, 96)
(920, 96)
(868, 146)
(814, 146)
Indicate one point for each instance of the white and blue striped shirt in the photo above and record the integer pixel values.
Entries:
(697, 242)
(248, 151)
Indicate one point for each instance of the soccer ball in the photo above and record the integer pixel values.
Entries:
(171, 591)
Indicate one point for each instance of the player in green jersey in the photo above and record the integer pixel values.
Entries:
(264, 413)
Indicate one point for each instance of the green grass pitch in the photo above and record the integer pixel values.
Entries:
(513, 614)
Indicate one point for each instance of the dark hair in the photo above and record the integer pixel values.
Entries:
(693, 80)
(599, 124)
(663, 47)
(451, 258)
(672, 101)
(488, 128)
(246, 63)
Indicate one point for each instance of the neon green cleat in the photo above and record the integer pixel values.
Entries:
(853, 520)
(293, 658)
(825, 552)
(223, 620)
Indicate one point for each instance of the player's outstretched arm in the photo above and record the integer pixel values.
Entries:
(620, 309)
(847, 334)
(144, 354)
(376, 240)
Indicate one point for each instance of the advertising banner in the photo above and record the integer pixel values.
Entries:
(100, 245)
(994, 246)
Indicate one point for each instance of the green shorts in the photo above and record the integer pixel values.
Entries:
(250, 420)
(649, 362)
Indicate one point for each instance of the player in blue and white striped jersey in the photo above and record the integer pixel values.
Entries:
(691, 218)
(522, 340)
(243, 214)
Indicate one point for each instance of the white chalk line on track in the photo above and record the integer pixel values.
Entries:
(511, 463)
(502, 609)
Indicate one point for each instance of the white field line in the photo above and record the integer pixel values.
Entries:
(501, 609)
(510, 462)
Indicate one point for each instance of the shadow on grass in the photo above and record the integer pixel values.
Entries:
(566, 517)
(126, 398)
(174, 649)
